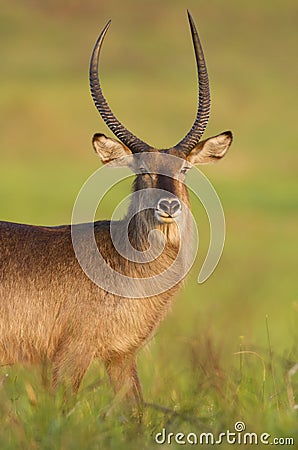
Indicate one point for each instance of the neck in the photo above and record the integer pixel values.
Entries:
(142, 248)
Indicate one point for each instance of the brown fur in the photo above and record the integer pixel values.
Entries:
(50, 311)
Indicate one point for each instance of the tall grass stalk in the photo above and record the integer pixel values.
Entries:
(271, 368)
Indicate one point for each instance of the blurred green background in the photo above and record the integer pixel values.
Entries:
(149, 77)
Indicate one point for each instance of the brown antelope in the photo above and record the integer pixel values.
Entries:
(50, 310)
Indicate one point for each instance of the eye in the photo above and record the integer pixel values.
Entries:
(185, 169)
(142, 169)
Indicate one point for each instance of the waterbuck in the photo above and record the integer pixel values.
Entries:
(50, 310)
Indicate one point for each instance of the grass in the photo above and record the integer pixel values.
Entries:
(197, 393)
(228, 350)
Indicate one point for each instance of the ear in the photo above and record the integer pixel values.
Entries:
(211, 149)
(110, 150)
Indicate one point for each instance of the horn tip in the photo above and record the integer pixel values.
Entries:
(189, 15)
(106, 27)
(192, 23)
(108, 24)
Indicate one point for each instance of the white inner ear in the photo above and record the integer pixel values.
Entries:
(210, 150)
(218, 145)
(110, 149)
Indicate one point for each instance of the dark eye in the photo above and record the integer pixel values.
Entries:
(142, 170)
(184, 170)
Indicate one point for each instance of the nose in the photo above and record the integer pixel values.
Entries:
(169, 207)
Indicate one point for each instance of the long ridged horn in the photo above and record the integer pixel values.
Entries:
(200, 123)
(135, 144)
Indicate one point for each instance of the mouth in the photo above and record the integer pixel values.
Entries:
(162, 217)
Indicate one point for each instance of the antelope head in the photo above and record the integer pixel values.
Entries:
(168, 182)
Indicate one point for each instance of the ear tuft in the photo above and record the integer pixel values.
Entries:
(228, 133)
(98, 136)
